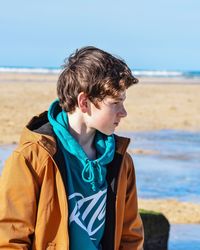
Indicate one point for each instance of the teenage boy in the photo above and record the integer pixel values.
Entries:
(70, 184)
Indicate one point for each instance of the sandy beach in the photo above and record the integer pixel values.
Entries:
(153, 104)
(175, 211)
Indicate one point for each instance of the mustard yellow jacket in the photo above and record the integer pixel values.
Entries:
(33, 203)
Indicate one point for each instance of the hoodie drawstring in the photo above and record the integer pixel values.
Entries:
(89, 170)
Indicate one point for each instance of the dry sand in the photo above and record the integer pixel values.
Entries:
(152, 104)
(175, 211)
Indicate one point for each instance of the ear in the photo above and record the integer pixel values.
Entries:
(82, 102)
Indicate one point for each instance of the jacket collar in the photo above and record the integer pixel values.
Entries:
(40, 131)
(121, 144)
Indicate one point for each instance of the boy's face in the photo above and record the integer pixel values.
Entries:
(109, 114)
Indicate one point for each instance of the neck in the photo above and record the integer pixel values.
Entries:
(83, 135)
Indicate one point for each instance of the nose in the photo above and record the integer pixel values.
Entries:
(123, 112)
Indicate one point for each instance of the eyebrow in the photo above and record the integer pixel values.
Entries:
(120, 98)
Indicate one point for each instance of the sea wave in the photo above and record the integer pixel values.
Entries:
(158, 73)
(137, 73)
(29, 70)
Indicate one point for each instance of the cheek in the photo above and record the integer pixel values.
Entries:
(103, 117)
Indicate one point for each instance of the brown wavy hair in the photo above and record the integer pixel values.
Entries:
(96, 73)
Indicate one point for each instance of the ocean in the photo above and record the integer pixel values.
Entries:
(137, 72)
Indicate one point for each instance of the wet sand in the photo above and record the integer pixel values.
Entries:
(153, 104)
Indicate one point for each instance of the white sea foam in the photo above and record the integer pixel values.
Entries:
(157, 73)
(139, 73)
(29, 70)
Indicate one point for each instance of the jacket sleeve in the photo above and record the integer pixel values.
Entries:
(19, 192)
(132, 233)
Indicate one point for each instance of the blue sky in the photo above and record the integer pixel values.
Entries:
(156, 34)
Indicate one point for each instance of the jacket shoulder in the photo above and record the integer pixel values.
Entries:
(32, 156)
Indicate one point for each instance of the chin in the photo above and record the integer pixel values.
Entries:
(106, 132)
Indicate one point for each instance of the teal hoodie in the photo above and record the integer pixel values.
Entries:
(86, 182)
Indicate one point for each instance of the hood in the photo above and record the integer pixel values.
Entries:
(40, 131)
(104, 144)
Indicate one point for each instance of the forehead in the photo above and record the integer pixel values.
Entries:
(121, 96)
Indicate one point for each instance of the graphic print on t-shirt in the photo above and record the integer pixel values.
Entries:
(89, 212)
